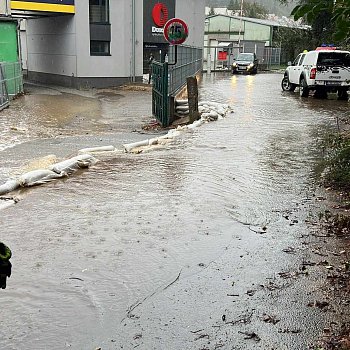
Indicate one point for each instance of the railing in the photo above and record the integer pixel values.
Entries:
(272, 57)
(160, 102)
(12, 74)
(4, 97)
(268, 58)
(189, 63)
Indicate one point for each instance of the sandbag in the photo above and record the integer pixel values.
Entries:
(6, 203)
(9, 186)
(128, 147)
(38, 177)
(97, 149)
(73, 164)
(183, 108)
(196, 124)
(181, 102)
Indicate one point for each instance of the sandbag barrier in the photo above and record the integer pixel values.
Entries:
(41, 176)
(209, 111)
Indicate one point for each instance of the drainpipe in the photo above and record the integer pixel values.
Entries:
(240, 27)
(133, 40)
(8, 8)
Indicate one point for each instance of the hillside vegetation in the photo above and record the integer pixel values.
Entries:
(272, 6)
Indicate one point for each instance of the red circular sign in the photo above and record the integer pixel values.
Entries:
(175, 31)
(160, 14)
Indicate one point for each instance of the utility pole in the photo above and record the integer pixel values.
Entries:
(133, 43)
(240, 26)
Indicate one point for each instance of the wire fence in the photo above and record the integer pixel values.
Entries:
(12, 76)
(4, 97)
(217, 58)
(189, 63)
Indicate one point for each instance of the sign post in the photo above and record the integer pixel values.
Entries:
(175, 33)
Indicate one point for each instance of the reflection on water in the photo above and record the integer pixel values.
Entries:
(91, 250)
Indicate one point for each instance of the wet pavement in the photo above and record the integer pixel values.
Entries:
(200, 245)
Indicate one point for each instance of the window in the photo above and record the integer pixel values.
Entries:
(334, 59)
(99, 48)
(301, 59)
(295, 63)
(100, 29)
(99, 11)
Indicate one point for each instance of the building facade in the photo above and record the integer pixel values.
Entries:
(99, 43)
(227, 35)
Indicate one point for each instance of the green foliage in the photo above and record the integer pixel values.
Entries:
(211, 12)
(292, 41)
(326, 15)
(233, 5)
(272, 6)
(254, 10)
(337, 174)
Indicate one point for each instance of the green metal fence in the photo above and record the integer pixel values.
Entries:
(168, 79)
(189, 63)
(13, 77)
(160, 100)
(4, 97)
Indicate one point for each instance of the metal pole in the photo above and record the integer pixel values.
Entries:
(240, 27)
(174, 63)
(133, 49)
(209, 62)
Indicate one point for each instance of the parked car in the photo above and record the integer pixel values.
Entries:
(245, 63)
(322, 70)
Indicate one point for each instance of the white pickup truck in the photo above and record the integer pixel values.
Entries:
(322, 70)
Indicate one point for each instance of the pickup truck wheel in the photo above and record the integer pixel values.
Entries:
(343, 94)
(303, 88)
(287, 85)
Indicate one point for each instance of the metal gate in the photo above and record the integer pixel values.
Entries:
(4, 97)
(160, 99)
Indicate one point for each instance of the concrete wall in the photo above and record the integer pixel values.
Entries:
(258, 32)
(118, 64)
(51, 44)
(193, 13)
(59, 48)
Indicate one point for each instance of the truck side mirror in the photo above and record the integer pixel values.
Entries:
(289, 63)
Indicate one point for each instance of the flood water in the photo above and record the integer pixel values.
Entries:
(156, 250)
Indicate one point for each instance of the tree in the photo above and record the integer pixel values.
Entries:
(254, 10)
(211, 12)
(233, 5)
(292, 41)
(325, 15)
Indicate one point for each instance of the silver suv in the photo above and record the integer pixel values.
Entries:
(322, 70)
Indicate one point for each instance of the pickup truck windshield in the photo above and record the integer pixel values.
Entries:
(245, 57)
(334, 59)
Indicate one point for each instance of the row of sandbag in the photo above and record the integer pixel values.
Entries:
(55, 171)
(210, 111)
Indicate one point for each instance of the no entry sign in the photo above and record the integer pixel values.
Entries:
(175, 31)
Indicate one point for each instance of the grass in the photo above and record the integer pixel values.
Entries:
(337, 163)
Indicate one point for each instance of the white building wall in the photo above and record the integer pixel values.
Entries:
(51, 45)
(59, 47)
(119, 63)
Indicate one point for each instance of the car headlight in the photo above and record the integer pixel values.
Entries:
(234, 64)
(251, 65)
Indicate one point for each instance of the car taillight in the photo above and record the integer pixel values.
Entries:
(313, 73)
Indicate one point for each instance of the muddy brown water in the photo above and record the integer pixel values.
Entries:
(181, 248)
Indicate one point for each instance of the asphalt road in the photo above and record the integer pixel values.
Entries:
(201, 244)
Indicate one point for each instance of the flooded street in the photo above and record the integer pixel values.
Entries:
(185, 247)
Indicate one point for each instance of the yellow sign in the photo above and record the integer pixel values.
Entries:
(61, 6)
